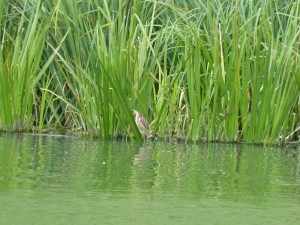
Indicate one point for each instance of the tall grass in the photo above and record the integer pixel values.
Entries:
(198, 70)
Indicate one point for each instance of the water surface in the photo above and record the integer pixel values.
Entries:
(61, 180)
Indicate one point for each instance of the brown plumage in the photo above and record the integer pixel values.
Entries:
(142, 123)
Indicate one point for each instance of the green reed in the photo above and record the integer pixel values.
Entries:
(23, 38)
(198, 70)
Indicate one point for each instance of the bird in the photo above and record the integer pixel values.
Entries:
(141, 123)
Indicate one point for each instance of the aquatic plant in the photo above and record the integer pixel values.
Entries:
(199, 70)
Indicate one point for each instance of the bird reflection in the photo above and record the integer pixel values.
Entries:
(142, 155)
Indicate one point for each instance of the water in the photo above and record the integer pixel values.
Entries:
(61, 180)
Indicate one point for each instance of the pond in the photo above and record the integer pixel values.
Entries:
(60, 180)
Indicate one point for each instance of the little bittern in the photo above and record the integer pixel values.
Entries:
(142, 123)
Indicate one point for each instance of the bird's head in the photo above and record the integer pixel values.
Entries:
(136, 112)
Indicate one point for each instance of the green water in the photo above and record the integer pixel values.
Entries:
(73, 180)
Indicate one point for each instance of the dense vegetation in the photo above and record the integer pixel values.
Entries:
(200, 70)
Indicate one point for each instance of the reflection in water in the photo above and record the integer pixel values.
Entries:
(167, 178)
(142, 155)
